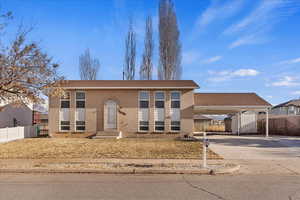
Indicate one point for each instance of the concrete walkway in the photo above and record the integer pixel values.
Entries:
(259, 155)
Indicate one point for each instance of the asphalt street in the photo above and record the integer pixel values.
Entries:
(92, 186)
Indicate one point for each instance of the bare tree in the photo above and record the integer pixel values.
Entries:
(146, 66)
(26, 72)
(169, 45)
(130, 53)
(88, 66)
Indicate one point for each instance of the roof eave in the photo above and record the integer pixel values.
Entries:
(117, 88)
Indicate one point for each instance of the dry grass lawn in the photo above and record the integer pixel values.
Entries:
(60, 148)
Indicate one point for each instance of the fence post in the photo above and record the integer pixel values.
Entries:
(267, 123)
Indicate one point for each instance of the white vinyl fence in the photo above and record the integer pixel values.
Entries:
(248, 123)
(10, 134)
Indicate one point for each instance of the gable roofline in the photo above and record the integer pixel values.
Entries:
(230, 100)
(293, 102)
(129, 84)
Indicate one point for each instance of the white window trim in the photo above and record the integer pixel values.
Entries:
(159, 131)
(80, 125)
(59, 120)
(60, 100)
(60, 130)
(149, 94)
(80, 99)
(75, 124)
(175, 131)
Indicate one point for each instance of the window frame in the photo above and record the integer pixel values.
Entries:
(164, 100)
(80, 99)
(174, 131)
(68, 93)
(63, 99)
(171, 126)
(75, 124)
(176, 99)
(164, 126)
(60, 126)
(139, 101)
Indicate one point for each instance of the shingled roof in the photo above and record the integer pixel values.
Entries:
(229, 99)
(295, 102)
(129, 84)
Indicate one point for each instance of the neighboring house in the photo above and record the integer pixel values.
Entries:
(132, 107)
(139, 107)
(12, 116)
(41, 120)
(287, 108)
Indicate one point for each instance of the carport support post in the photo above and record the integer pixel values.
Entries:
(238, 123)
(204, 150)
(267, 123)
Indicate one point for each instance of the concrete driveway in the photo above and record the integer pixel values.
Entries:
(259, 154)
(255, 147)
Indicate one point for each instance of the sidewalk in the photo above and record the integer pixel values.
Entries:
(127, 166)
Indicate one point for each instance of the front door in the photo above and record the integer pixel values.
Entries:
(111, 115)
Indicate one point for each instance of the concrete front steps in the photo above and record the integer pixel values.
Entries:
(106, 134)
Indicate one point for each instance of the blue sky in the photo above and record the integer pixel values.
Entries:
(228, 45)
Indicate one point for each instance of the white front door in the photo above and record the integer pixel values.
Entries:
(111, 115)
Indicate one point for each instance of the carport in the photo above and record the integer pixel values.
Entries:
(231, 103)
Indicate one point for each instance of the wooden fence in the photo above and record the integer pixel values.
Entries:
(206, 125)
(281, 125)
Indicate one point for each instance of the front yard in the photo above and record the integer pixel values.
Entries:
(60, 148)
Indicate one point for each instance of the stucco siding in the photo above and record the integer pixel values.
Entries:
(127, 110)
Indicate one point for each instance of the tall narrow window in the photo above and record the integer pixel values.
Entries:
(144, 111)
(64, 112)
(80, 111)
(159, 111)
(65, 100)
(80, 100)
(175, 111)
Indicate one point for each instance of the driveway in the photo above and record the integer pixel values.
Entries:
(255, 147)
(259, 154)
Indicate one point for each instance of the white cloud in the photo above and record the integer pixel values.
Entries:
(247, 40)
(286, 81)
(212, 59)
(292, 61)
(296, 92)
(261, 20)
(228, 75)
(218, 11)
(246, 72)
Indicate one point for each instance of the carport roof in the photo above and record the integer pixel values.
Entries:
(228, 103)
(229, 99)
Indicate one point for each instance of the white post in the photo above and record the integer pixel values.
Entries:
(204, 150)
(267, 123)
(239, 122)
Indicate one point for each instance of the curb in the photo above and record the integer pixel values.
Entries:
(228, 170)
